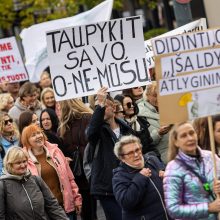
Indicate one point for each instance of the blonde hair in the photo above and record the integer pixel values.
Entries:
(28, 131)
(44, 91)
(127, 139)
(152, 88)
(13, 154)
(2, 125)
(4, 97)
(173, 149)
(71, 109)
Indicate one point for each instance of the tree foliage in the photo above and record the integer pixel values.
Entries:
(28, 12)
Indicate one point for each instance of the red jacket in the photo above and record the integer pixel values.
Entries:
(55, 157)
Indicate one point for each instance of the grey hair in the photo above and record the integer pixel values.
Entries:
(128, 139)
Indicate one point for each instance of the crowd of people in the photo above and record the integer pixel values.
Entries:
(140, 170)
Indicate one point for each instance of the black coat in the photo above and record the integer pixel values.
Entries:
(106, 161)
(27, 197)
(139, 196)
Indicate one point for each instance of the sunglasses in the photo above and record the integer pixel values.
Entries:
(7, 121)
(129, 105)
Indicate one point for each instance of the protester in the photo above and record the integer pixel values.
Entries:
(105, 129)
(75, 117)
(27, 100)
(6, 102)
(26, 118)
(189, 186)
(49, 122)
(47, 98)
(138, 123)
(23, 196)
(200, 125)
(47, 160)
(148, 107)
(119, 112)
(9, 136)
(216, 134)
(137, 182)
(135, 93)
(45, 80)
(13, 89)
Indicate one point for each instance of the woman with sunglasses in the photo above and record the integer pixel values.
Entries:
(9, 136)
(138, 123)
(137, 182)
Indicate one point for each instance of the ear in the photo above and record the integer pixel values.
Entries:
(176, 143)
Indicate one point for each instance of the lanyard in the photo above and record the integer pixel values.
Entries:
(202, 178)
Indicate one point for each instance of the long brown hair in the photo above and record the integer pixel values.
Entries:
(71, 109)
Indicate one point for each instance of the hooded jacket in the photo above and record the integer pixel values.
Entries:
(27, 197)
(185, 196)
(55, 158)
(18, 108)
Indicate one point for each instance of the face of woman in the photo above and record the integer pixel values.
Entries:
(30, 99)
(19, 167)
(217, 132)
(46, 121)
(36, 140)
(186, 139)
(35, 120)
(10, 104)
(132, 155)
(152, 98)
(8, 124)
(49, 99)
(128, 106)
(137, 91)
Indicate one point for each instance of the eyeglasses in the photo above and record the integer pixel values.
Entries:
(131, 154)
(7, 121)
(129, 105)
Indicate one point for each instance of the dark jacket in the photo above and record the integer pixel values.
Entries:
(75, 137)
(106, 161)
(144, 135)
(140, 197)
(27, 197)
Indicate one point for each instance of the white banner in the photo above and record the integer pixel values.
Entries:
(85, 58)
(34, 37)
(191, 61)
(204, 103)
(11, 65)
(191, 27)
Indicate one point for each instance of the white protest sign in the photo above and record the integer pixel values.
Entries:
(189, 82)
(204, 103)
(85, 58)
(175, 64)
(11, 65)
(188, 74)
(198, 25)
(34, 37)
(184, 42)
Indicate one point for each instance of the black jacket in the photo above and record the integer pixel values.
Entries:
(140, 197)
(27, 197)
(106, 161)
